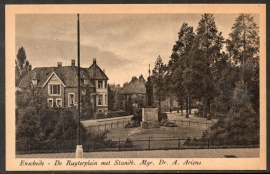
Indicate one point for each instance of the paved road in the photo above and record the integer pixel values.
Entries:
(198, 153)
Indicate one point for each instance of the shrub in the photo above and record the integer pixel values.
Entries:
(167, 123)
(128, 143)
(137, 118)
(132, 124)
(162, 116)
(112, 114)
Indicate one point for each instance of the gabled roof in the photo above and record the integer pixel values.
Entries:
(135, 86)
(95, 72)
(48, 79)
(66, 74)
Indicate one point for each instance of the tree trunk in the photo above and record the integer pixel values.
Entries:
(190, 100)
(181, 104)
(159, 106)
(208, 109)
(187, 116)
(204, 108)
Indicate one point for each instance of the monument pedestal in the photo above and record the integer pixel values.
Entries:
(150, 118)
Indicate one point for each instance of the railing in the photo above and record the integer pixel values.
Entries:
(150, 143)
(122, 124)
(108, 125)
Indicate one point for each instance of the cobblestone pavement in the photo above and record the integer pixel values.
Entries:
(198, 153)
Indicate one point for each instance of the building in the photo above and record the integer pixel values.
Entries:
(132, 91)
(60, 85)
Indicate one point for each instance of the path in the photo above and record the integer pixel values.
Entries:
(197, 153)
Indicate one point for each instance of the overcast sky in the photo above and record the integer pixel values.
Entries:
(123, 44)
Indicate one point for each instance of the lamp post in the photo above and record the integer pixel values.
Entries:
(79, 149)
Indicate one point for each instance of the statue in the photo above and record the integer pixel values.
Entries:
(149, 92)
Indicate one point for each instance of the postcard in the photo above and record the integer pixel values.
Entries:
(135, 87)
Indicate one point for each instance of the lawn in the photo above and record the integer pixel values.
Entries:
(182, 130)
(158, 138)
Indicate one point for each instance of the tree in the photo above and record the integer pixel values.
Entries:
(243, 47)
(113, 98)
(242, 123)
(178, 63)
(239, 86)
(158, 81)
(30, 105)
(205, 55)
(244, 39)
(22, 66)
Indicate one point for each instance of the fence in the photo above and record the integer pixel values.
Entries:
(108, 125)
(149, 143)
(123, 123)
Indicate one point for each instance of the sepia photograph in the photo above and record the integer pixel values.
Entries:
(136, 87)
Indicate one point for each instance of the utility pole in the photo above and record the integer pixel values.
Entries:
(79, 150)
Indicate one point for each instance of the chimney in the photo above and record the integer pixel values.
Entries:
(59, 64)
(73, 62)
(94, 61)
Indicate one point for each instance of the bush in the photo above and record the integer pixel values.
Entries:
(112, 114)
(132, 124)
(101, 115)
(128, 143)
(162, 116)
(167, 123)
(240, 126)
(137, 118)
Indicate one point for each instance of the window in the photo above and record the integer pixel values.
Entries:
(99, 99)
(100, 84)
(105, 84)
(100, 111)
(106, 99)
(50, 102)
(54, 89)
(58, 102)
(71, 99)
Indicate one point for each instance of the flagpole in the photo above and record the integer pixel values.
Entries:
(79, 150)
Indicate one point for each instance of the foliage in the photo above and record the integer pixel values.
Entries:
(227, 82)
(112, 114)
(28, 128)
(158, 81)
(241, 124)
(244, 39)
(22, 66)
(87, 111)
(132, 124)
(137, 114)
(167, 123)
(39, 126)
(113, 99)
(162, 116)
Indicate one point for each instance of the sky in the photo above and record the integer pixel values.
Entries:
(123, 44)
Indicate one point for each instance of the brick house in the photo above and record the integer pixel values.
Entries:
(60, 84)
(134, 89)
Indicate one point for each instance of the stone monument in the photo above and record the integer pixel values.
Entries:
(149, 113)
